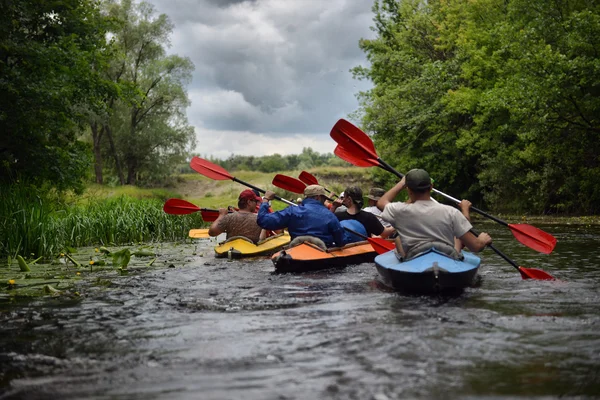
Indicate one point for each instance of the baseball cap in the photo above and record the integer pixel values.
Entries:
(355, 193)
(418, 179)
(249, 195)
(375, 193)
(315, 190)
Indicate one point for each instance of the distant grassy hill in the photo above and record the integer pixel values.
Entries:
(205, 192)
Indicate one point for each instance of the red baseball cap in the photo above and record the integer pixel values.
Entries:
(249, 195)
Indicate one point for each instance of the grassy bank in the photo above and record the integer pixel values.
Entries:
(38, 223)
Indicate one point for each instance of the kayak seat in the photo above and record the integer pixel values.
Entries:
(269, 238)
(308, 239)
(441, 247)
(346, 246)
(236, 238)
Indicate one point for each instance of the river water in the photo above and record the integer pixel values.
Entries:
(196, 327)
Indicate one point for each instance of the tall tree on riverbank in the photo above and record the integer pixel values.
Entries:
(494, 97)
(50, 55)
(147, 131)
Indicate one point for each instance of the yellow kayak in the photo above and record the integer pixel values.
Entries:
(239, 246)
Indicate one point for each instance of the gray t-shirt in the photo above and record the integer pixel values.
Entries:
(425, 221)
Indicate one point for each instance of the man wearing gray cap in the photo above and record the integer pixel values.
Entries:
(422, 223)
(310, 218)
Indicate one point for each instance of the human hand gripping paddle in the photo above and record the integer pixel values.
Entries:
(357, 148)
(296, 186)
(219, 173)
(182, 207)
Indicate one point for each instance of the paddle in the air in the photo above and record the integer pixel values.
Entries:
(214, 171)
(310, 179)
(357, 148)
(182, 207)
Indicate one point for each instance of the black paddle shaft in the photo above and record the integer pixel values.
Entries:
(289, 203)
(501, 254)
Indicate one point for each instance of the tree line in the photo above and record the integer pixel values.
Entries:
(89, 83)
(277, 162)
(498, 99)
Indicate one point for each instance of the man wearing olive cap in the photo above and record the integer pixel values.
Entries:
(422, 223)
(311, 218)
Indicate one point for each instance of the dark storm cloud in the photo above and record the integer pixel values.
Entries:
(270, 66)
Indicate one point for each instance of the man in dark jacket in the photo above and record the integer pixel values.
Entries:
(310, 218)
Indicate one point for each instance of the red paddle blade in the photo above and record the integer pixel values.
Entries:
(179, 207)
(381, 245)
(209, 169)
(288, 183)
(349, 156)
(352, 138)
(308, 178)
(534, 273)
(209, 215)
(533, 237)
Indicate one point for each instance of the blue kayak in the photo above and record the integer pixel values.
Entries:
(430, 271)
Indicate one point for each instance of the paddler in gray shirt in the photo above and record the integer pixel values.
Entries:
(423, 223)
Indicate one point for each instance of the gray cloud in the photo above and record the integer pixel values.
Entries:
(271, 67)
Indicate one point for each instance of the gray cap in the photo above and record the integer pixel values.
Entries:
(418, 179)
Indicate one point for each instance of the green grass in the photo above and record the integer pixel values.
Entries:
(215, 194)
(35, 223)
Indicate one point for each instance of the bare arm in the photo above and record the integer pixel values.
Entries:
(387, 232)
(391, 194)
(476, 243)
(464, 206)
(214, 229)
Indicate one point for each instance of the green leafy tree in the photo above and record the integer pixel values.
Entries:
(495, 98)
(50, 55)
(147, 131)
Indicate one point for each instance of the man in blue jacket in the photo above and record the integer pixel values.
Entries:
(310, 218)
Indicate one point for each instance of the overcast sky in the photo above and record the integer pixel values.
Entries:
(272, 76)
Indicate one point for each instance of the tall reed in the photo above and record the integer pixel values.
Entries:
(35, 222)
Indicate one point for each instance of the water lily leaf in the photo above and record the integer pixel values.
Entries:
(144, 253)
(121, 258)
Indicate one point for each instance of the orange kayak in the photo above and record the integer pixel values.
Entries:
(309, 257)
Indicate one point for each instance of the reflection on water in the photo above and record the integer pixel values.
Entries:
(216, 329)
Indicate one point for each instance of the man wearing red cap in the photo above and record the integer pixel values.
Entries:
(242, 222)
